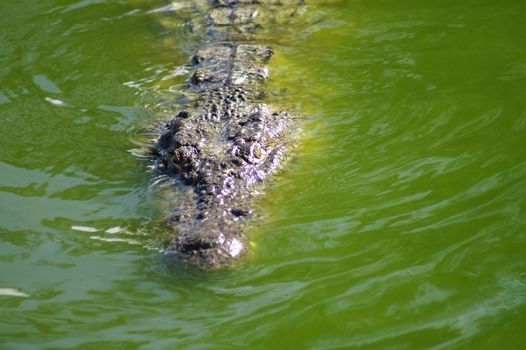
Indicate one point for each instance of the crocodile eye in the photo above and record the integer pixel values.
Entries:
(235, 151)
(197, 59)
(183, 115)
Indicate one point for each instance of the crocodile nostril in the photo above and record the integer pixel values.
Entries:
(191, 244)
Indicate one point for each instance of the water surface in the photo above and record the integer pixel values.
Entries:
(399, 223)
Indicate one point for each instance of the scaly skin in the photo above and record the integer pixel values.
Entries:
(227, 142)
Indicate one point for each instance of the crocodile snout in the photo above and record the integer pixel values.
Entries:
(207, 248)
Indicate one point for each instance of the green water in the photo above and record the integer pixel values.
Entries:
(400, 223)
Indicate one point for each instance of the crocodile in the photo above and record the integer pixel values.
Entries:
(225, 144)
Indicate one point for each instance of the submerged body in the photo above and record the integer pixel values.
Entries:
(228, 141)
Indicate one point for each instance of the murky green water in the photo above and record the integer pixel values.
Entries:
(400, 223)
